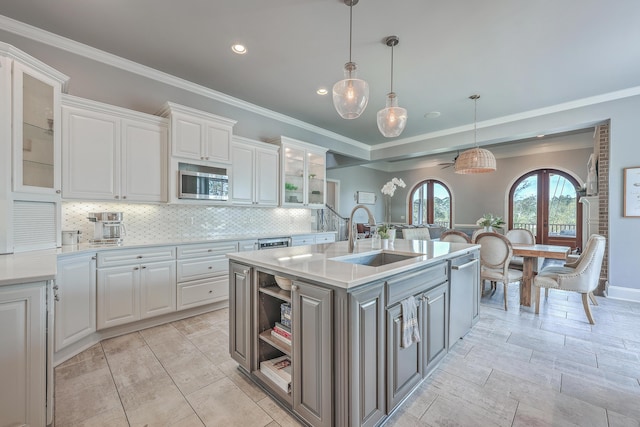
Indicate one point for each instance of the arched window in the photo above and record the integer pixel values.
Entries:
(430, 203)
(545, 201)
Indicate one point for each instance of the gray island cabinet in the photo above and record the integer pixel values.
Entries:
(345, 363)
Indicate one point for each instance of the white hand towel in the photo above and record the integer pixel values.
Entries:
(410, 331)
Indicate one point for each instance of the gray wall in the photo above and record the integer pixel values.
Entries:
(359, 178)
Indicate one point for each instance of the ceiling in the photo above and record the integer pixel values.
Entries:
(519, 56)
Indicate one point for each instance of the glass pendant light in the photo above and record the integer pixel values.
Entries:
(475, 160)
(350, 96)
(392, 119)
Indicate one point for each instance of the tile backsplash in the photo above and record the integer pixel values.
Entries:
(149, 222)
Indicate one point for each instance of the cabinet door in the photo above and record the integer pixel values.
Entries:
(90, 153)
(118, 295)
(367, 369)
(144, 161)
(218, 143)
(203, 291)
(240, 319)
(293, 173)
(404, 365)
(36, 132)
(23, 355)
(317, 183)
(75, 314)
(312, 329)
(242, 175)
(266, 177)
(436, 322)
(187, 137)
(157, 288)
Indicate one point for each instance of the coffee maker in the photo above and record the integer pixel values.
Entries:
(108, 227)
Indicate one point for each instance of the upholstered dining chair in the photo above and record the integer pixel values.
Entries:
(579, 276)
(475, 234)
(421, 233)
(495, 255)
(454, 236)
(522, 235)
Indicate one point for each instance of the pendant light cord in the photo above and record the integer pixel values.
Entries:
(392, 68)
(350, 27)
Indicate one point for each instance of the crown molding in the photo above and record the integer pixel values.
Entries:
(63, 43)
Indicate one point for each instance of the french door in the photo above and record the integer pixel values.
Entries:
(545, 201)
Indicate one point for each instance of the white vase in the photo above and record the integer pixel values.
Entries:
(385, 243)
(488, 229)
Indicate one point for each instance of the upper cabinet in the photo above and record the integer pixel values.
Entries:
(110, 153)
(34, 89)
(254, 175)
(303, 171)
(198, 135)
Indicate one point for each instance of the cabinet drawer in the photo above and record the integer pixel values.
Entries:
(135, 256)
(325, 238)
(303, 240)
(402, 286)
(204, 291)
(199, 268)
(205, 249)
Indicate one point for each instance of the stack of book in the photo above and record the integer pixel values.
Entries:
(282, 333)
(278, 370)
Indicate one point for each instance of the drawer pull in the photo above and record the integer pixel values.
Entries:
(139, 256)
(136, 268)
(144, 266)
(210, 250)
(210, 291)
(210, 267)
(465, 265)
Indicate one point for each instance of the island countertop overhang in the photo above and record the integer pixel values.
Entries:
(319, 263)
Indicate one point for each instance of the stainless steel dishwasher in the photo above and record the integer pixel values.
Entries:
(464, 299)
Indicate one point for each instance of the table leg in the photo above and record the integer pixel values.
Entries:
(527, 281)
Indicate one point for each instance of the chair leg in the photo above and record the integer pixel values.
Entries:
(505, 295)
(587, 309)
(537, 291)
(592, 297)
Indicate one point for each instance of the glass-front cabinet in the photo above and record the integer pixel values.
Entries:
(36, 131)
(303, 174)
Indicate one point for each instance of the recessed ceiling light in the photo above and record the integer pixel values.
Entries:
(432, 115)
(322, 91)
(238, 48)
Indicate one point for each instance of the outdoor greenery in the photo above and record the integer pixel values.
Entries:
(562, 208)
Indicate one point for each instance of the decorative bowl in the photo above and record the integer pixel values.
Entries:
(283, 282)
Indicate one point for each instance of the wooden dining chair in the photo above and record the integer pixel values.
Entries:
(580, 276)
(454, 236)
(495, 255)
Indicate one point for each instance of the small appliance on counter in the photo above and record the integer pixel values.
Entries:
(71, 237)
(108, 227)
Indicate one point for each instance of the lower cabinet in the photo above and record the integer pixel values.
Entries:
(133, 292)
(240, 314)
(312, 327)
(367, 393)
(75, 289)
(435, 325)
(23, 352)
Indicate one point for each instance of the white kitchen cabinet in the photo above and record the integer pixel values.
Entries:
(199, 135)
(303, 174)
(312, 239)
(75, 289)
(135, 284)
(36, 130)
(110, 153)
(23, 352)
(203, 273)
(254, 176)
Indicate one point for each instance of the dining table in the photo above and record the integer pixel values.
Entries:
(530, 254)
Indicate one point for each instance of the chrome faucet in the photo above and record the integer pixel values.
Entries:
(352, 232)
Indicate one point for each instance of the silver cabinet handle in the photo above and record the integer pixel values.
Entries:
(58, 191)
(139, 256)
(144, 266)
(136, 268)
(465, 265)
(124, 197)
(116, 197)
(210, 268)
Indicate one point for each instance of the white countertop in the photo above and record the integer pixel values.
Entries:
(34, 266)
(318, 263)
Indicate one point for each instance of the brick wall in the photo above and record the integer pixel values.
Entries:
(603, 200)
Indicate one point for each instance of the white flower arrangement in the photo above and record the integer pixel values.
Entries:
(390, 187)
(489, 220)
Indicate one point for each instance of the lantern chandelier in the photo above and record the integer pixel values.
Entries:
(392, 119)
(475, 160)
(350, 95)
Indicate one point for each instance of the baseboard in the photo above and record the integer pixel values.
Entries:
(622, 293)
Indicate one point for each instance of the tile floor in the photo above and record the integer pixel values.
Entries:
(512, 369)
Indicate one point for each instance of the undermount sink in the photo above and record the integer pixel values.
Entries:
(377, 259)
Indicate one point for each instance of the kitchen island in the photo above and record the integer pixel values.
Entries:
(343, 323)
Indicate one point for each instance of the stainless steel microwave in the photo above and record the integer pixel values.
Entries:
(200, 185)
